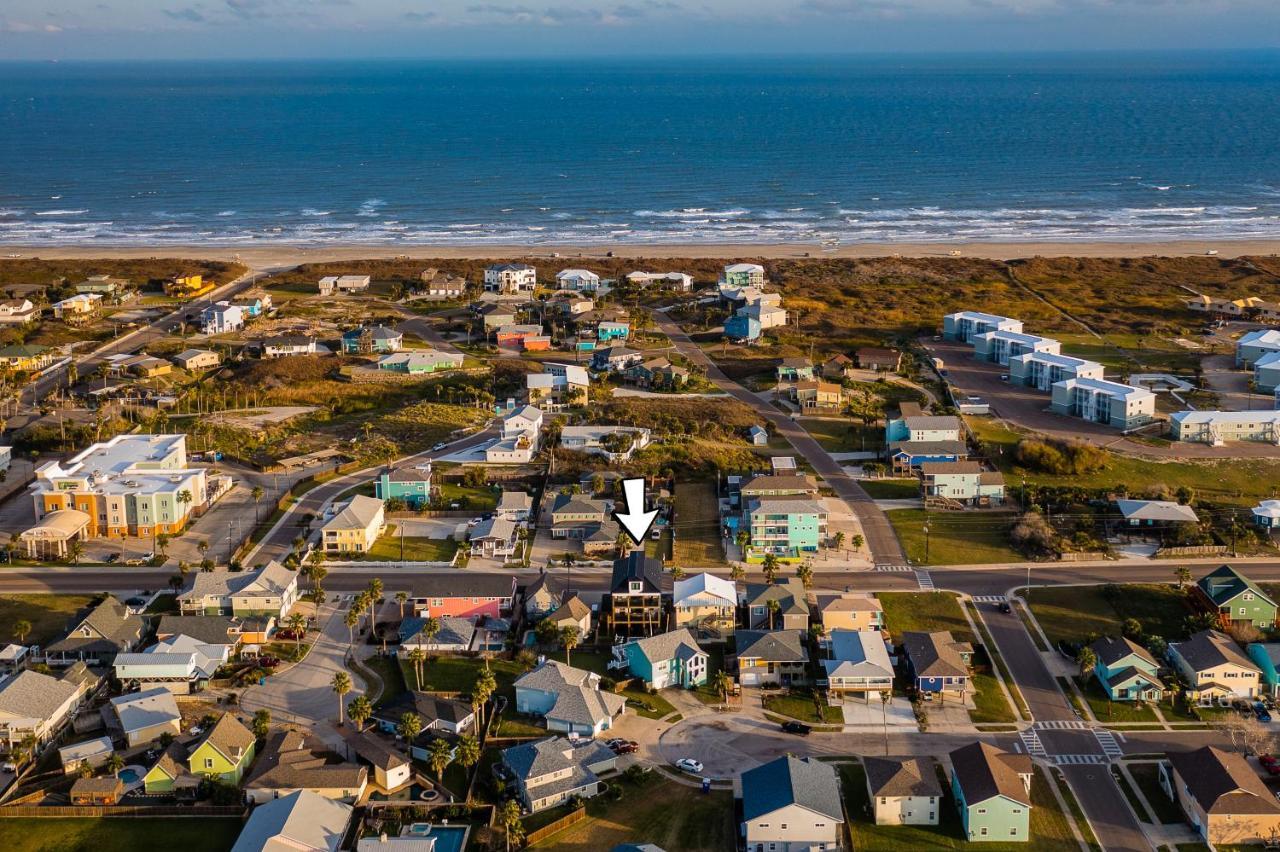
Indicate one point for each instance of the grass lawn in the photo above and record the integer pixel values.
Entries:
(1074, 613)
(657, 811)
(47, 614)
(638, 699)
(1105, 710)
(390, 677)
(1240, 482)
(697, 513)
(445, 673)
(843, 436)
(119, 835)
(163, 604)
(416, 549)
(1050, 827)
(1147, 777)
(800, 705)
(477, 497)
(955, 538)
(928, 611)
(891, 489)
(989, 703)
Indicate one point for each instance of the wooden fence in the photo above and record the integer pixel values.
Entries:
(122, 811)
(559, 825)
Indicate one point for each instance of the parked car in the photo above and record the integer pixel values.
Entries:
(1269, 763)
(615, 742)
(796, 728)
(688, 764)
(438, 447)
(268, 662)
(627, 747)
(1260, 712)
(112, 558)
(1005, 607)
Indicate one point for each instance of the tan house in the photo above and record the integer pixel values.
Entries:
(1221, 796)
(790, 805)
(817, 394)
(706, 603)
(355, 527)
(35, 704)
(106, 790)
(197, 359)
(904, 791)
(290, 762)
(572, 613)
(1214, 668)
(850, 611)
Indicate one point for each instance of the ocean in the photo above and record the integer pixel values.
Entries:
(648, 150)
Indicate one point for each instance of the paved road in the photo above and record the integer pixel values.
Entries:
(879, 534)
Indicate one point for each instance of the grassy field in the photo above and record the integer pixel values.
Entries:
(388, 548)
(955, 538)
(891, 489)
(119, 835)
(1105, 710)
(391, 681)
(800, 705)
(1240, 482)
(447, 673)
(1147, 777)
(843, 436)
(47, 614)
(657, 811)
(697, 526)
(1050, 827)
(1076, 612)
(479, 498)
(907, 611)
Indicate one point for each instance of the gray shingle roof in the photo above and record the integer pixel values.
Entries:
(1110, 651)
(31, 695)
(791, 781)
(288, 761)
(934, 654)
(667, 646)
(778, 646)
(985, 771)
(906, 776)
(301, 820)
(1209, 648)
(789, 594)
(1223, 782)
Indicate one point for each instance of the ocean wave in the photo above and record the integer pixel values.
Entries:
(10, 211)
(694, 212)
(61, 212)
(311, 211)
(371, 207)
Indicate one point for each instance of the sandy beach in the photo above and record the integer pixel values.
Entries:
(271, 256)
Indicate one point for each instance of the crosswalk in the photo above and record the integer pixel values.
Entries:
(925, 581)
(1079, 759)
(900, 569)
(1107, 740)
(989, 599)
(1056, 725)
(1031, 741)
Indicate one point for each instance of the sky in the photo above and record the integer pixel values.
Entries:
(567, 29)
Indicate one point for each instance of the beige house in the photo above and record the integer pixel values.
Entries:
(706, 603)
(1221, 796)
(355, 527)
(197, 359)
(904, 791)
(290, 762)
(791, 805)
(850, 611)
(1214, 668)
(34, 704)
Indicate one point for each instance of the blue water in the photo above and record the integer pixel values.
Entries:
(128, 776)
(866, 149)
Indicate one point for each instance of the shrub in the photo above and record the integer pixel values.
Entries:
(1059, 457)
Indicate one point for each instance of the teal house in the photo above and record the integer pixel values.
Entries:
(365, 340)
(742, 328)
(1267, 657)
(785, 525)
(607, 331)
(794, 370)
(668, 659)
(1235, 598)
(1126, 671)
(410, 484)
(993, 793)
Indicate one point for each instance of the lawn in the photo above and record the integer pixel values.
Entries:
(800, 705)
(391, 682)
(669, 815)
(388, 548)
(697, 524)
(1075, 613)
(639, 700)
(119, 835)
(1050, 827)
(927, 611)
(843, 436)
(1240, 482)
(47, 614)
(163, 604)
(477, 497)
(891, 489)
(1147, 777)
(954, 538)
(1105, 710)
(446, 673)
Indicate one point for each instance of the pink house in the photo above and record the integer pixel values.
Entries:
(464, 595)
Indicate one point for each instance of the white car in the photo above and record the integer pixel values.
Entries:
(438, 447)
(688, 764)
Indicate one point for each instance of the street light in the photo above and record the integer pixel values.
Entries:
(926, 542)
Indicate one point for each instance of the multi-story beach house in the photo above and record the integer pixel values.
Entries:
(1043, 370)
(510, 278)
(410, 484)
(635, 604)
(355, 527)
(742, 275)
(1234, 599)
(965, 325)
(222, 318)
(992, 789)
(1123, 406)
(998, 345)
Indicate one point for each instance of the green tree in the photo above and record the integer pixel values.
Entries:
(805, 572)
(115, 763)
(1182, 574)
(774, 608)
(341, 685)
(258, 493)
(402, 598)
(439, 756)
(509, 818)
(297, 624)
(417, 657)
(352, 620)
(570, 636)
(486, 685)
(261, 723)
(409, 726)
(1085, 661)
(722, 683)
(76, 551)
(21, 628)
(770, 567)
(360, 709)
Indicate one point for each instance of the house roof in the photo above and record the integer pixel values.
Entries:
(377, 751)
(451, 631)
(430, 707)
(777, 646)
(932, 468)
(101, 784)
(577, 504)
(858, 653)
(360, 511)
(289, 761)
(572, 609)
(790, 594)
(229, 736)
(762, 482)
(1110, 651)
(705, 590)
(637, 566)
(1223, 782)
(111, 627)
(1209, 648)
(300, 820)
(32, 695)
(1226, 583)
(207, 629)
(497, 528)
(928, 448)
(936, 422)
(139, 710)
(1156, 510)
(463, 585)
(849, 602)
(934, 654)
(551, 754)
(271, 580)
(791, 781)
(904, 776)
(984, 772)
(668, 646)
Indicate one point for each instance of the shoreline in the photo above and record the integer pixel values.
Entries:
(283, 254)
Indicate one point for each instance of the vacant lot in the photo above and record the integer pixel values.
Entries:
(927, 611)
(119, 835)
(954, 538)
(392, 548)
(48, 616)
(697, 526)
(1075, 613)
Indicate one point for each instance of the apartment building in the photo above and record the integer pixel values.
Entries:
(965, 325)
(999, 345)
(1111, 403)
(1043, 370)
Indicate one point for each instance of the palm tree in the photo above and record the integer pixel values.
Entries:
(184, 499)
(162, 543)
(742, 539)
(1183, 575)
(258, 492)
(770, 567)
(737, 573)
(341, 684)
(417, 656)
(468, 751)
(486, 685)
(375, 595)
(297, 623)
(409, 726)
(570, 636)
(20, 629)
(839, 540)
(722, 683)
(805, 572)
(360, 709)
(439, 756)
(1086, 660)
(402, 598)
(510, 818)
(115, 763)
(175, 582)
(774, 607)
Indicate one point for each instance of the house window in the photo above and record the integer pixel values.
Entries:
(982, 810)
(1013, 832)
(983, 831)
(208, 763)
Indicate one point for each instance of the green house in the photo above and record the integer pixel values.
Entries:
(1126, 671)
(410, 484)
(170, 775)
(993, 793)
(225, 752)
(1235, 598)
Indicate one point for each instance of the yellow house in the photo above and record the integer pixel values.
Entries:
(225, 752)
(1223, 798)
(187, 286)
(850, 611)
(26, 358)
(355, 527)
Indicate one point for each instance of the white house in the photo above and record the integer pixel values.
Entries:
(578, 280)
(998, 345)
(965, 325)
(904, 791)
(569, 699)
(1042, 370)
(1218, 427)
(964, 481)
(35, 704)
(510, 278)
(678, 280)
(1123, 406)
(144, 716)
(77, 307)
(179, 664)
(293, 344)
(615, 443)
(332, 284)
(222, 318)
(21, 311)
(791, 805)
(858, 664)
(1254, 344)
(519, 440)
(769, 316)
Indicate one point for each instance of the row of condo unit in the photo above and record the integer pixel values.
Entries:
(1258, 352)
(513, 278)
(1077, 386)
(568, 320)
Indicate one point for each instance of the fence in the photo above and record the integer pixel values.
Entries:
(571, 818)
(122, 811)
(1082, 556)
(1194, 550)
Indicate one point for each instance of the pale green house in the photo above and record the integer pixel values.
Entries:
(993, 793)
(225, 752)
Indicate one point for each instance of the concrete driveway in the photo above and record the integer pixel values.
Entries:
(302, 695)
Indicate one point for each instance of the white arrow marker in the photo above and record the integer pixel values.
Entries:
(636, 521)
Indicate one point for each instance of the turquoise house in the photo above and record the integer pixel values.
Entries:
(410, 484)
(1126, 671)
(993, 793)
(1267, 657)
(668, 659)
(787, 525)
(607, 331)
(378, 339)
(742, 328)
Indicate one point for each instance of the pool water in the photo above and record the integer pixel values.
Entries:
(128, 776)
(449, 838)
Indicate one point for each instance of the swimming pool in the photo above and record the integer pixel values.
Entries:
(449, 838)
(129, 776)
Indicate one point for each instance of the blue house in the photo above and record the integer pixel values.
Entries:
(410, 484)
(1267, 657)
(936, 662)
(1126, 670)
(365, 340)
(742, 328)
(906, 456)
(607, 331)
(253, 306)
(668, 659)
